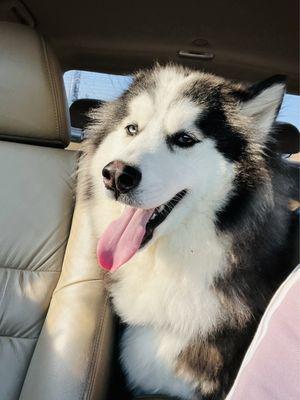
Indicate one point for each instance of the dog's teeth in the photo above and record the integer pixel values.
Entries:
(160, 208)
(153, 216)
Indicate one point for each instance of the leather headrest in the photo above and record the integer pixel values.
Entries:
(288, 138)
(33, 107)
(79, 111)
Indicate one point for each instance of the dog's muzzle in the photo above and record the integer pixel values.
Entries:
(120, 177)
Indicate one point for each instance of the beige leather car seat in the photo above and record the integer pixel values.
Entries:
(55, 323)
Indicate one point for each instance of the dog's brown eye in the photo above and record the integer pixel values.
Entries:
(182, 139)
(132, 129)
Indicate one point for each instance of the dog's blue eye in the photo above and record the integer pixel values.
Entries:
(182, 139)
(132, 129)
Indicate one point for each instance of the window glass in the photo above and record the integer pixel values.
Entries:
(290, 110)
(94, 85)
(107, 87)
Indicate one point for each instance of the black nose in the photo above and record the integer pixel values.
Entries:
(120, 177)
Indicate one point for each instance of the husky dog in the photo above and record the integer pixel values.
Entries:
(190, 202)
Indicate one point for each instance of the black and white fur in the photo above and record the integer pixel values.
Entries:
(193, 296)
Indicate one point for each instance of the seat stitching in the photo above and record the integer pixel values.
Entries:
(28, 270)
(53, 97)
(4, 289)
(59, 101)
(86, 392)
(97, 338)
(56, 91)
(101, 340)
(17, 337)
(31, 140)
(75, 283)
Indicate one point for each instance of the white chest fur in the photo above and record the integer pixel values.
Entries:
(169, 285)
(165, 294)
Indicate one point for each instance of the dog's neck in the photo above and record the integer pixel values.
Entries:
(183, 265)
(194, 248)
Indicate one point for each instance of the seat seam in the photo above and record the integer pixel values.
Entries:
(56, 290)
(98, 344)
(86, 390)
(97, 339)
(29, 270)
(32, 140)
(56, 91)
(50, 83)
(4, 290)
(59, 98)
(17, 337)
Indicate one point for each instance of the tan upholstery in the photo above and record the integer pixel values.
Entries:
(31, 84)
(36, 206)
(72, 357)
(55, 321)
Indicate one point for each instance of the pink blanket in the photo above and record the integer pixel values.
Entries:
(271, 367)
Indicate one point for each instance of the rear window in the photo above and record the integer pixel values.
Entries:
(107, 87)
(290, 110)
(94, 85)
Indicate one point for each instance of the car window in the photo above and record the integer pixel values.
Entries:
(107, 87)
(94, 85)
(290, 110)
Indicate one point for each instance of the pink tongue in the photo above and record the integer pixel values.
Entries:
(122, 238)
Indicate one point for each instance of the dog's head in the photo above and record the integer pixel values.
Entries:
(177, 143)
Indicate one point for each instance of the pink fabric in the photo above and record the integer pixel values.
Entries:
(271, 368)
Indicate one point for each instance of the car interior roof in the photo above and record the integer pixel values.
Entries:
(248, 41)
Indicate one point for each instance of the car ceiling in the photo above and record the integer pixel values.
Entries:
(250, 40)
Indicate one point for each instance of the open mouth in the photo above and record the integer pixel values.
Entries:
(130, 232)
(159, 215)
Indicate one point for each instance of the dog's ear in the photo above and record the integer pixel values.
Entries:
(262, 101)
